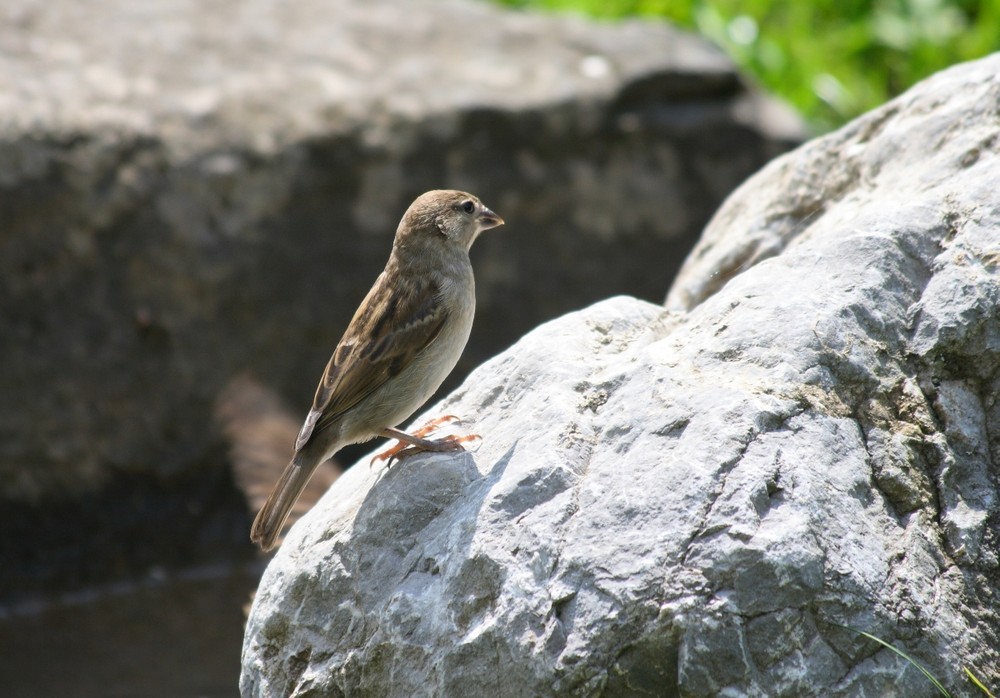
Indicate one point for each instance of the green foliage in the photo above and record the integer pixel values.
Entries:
(831, 59)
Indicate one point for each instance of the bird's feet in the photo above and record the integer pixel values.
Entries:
(432, 425)
(410, 444)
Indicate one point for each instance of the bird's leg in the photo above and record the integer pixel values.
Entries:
(409, 444)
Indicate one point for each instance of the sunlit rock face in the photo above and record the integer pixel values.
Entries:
(697, 499)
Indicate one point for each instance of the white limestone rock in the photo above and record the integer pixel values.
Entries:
(695, 501)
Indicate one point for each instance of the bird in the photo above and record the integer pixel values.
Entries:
(403, 341)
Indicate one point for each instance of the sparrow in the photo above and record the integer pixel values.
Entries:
(402, 342)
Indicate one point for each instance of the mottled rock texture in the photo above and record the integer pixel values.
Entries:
(191, 191)
(694, 500)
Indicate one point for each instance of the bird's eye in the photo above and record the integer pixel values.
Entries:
(468, 206)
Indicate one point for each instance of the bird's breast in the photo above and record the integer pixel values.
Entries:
(396, 400)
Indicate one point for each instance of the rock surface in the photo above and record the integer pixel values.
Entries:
(693, 501)
(189, 192)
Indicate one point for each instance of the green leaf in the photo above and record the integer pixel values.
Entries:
(977, 682)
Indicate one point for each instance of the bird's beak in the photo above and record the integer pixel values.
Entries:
(487, 219)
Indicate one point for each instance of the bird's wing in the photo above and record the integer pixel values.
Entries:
(377, 346)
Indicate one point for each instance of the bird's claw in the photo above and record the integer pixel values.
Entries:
(431, 426)
(447, 444)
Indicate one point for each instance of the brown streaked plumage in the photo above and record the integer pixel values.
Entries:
(403, 341)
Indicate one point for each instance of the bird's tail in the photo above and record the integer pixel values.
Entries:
(271, 517)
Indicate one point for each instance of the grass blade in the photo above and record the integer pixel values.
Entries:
(911, 660)
(978, 683)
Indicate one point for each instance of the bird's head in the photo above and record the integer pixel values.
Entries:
(449, 216)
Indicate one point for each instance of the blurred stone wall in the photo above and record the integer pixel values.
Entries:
(191, 192)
